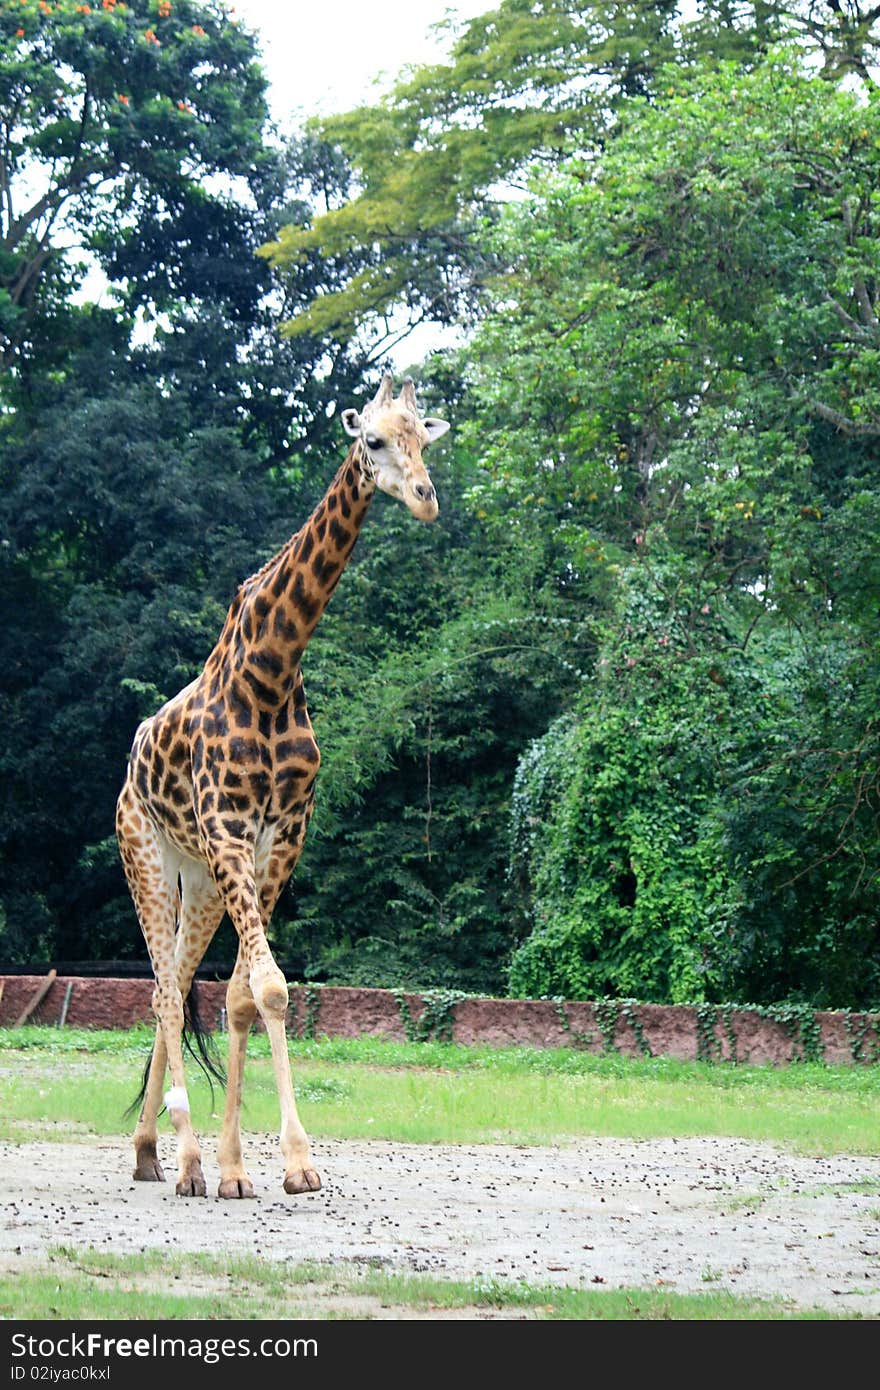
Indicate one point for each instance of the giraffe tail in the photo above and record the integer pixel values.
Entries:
(199, 1042)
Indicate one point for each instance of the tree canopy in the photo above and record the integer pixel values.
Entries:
(610, 727)
(113, 119)
(693, 345)
(524, 81)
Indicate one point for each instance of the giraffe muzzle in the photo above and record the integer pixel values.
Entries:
(422, 501)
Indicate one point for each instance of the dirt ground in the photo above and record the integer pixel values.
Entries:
(691, 1215)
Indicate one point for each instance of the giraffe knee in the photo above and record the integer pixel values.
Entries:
(270, 994)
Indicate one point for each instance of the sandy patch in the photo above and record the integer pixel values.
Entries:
(688, 1215)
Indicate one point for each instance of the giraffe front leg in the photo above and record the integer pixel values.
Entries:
(266, 994)
(240, 1014)
(269, 989)
(233, 867)
(300, 1172)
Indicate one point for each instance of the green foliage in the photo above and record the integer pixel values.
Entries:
(524, 80)
(645, 630)
(140, 484)
(114, 510)
(403, 879)
(610, 829)
(685, 398)
(114, 116)
(437, 1018)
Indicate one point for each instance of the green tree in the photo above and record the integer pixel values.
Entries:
(123, 539)
(685, 394)
(524, 81)
(114, 117)
(140, 484)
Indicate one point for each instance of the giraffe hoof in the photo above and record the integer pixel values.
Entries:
(192, 1187)
(305, 1180)
(236, 1187)
(192, 1184)
(147, 1166)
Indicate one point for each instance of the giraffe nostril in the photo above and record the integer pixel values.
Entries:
(425, 491)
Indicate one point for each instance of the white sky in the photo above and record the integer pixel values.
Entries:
(328, 57)
(321, 58)
(331, 57)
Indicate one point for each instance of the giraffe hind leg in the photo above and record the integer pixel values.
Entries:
(147, 1167)
(152, 868)
(200, 911)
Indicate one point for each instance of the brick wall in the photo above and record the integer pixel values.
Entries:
(671, 1031)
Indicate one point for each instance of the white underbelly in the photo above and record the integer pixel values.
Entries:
(263, 849)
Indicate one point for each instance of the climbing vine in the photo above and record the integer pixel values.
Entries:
(607, 1014)
(609, 1011)
(436, 1022)
(798, 1019)
(578, 1037)
(800, 1022)
(858, 1026)
(726, 1014)
(708, 1042)
(628, 1011)
(309, 1026)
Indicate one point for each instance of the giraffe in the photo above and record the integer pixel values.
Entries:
(219, 791)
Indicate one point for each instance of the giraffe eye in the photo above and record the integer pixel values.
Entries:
(374, 442)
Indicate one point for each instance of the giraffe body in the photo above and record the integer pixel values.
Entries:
(220, 789)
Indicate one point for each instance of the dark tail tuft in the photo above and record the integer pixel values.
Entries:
(200, 1045)
(137, 1103)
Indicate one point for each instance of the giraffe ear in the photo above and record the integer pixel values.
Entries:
(436, 428)
(351, 423)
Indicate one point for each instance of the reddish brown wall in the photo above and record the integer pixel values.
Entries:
(670, 1031)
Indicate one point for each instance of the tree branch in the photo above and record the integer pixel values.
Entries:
(859, 331)
(843, 422)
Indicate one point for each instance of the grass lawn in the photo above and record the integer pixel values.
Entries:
(90, 1284)
(56, 1083)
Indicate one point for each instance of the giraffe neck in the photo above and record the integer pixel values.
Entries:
(278, 609)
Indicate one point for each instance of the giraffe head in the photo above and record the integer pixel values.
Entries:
(392, 435)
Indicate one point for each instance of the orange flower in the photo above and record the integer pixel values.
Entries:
(197, 29)
(164, 8)
(109, 4)
(150, 36)
(124, 99)
(19, 33)
(183, 106)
